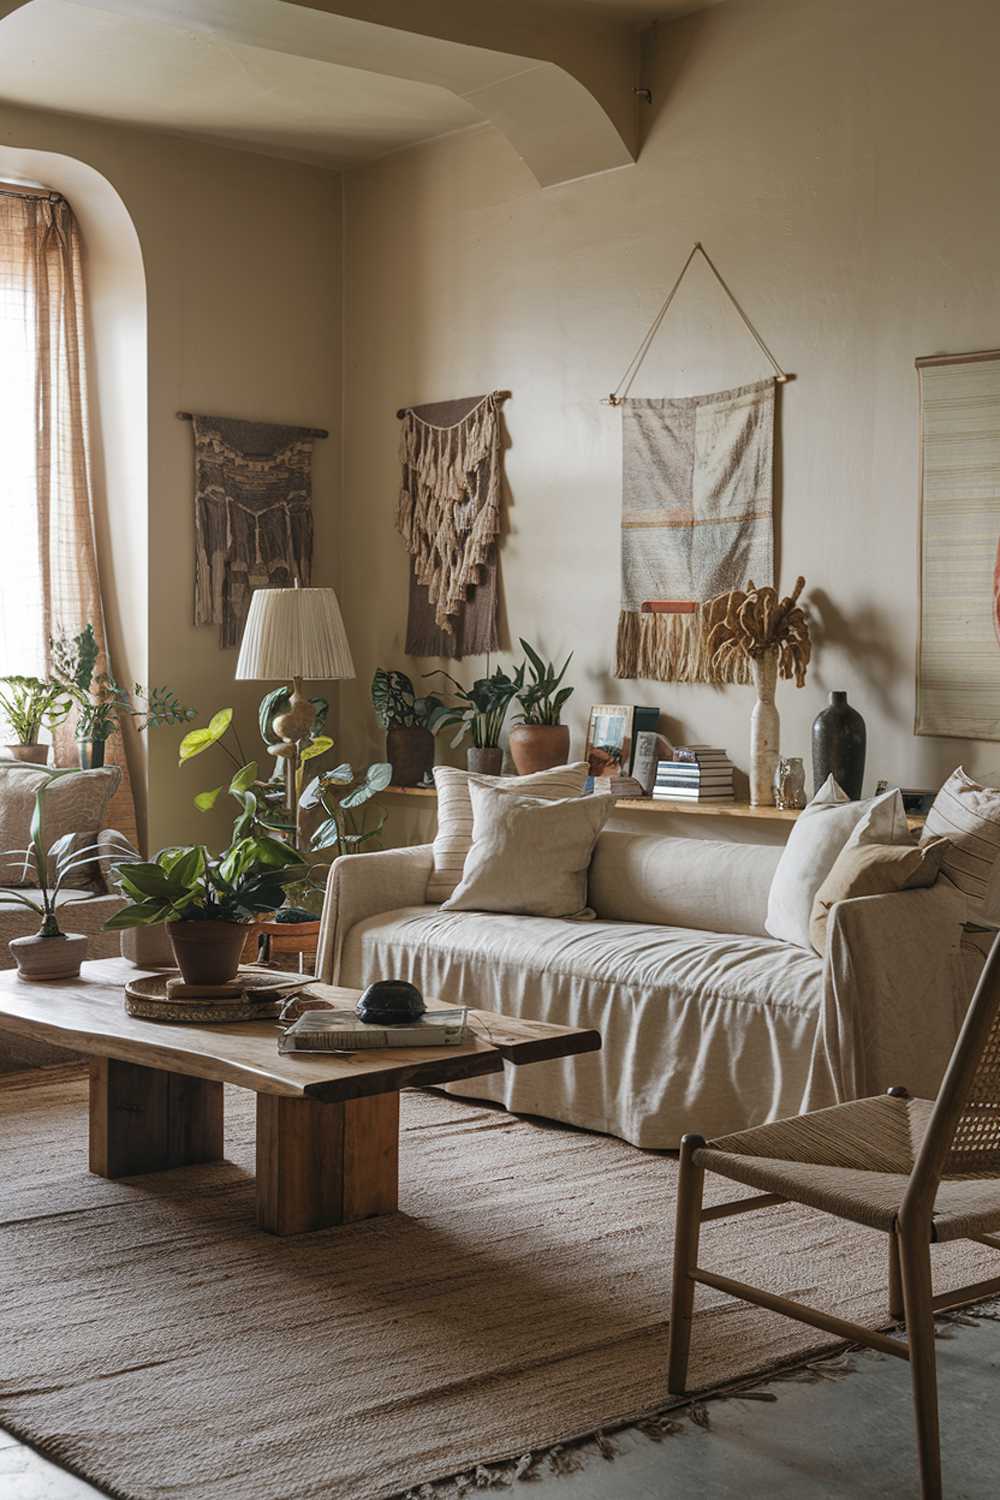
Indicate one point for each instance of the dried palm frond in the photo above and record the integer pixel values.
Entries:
(745, 624)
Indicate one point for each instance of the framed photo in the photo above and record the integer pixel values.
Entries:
(609, 739)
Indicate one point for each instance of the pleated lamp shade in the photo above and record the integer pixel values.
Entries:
(294, 633)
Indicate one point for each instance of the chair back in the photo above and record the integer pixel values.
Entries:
(963, 1135)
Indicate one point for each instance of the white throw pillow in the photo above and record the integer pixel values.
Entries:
(529, 857)
(818, 835)
(968, 816)
(454, 827)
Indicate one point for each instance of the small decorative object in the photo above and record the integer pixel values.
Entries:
(390, 1002)
(50, 953)
(540, 740)
(208, 899)
(449, 516)
(838, 746)
(481, 713)
(252, 515)
(296, 634)
(772, 635)
(99, 700)
(30, 705)
(790, 783)
(410, 724)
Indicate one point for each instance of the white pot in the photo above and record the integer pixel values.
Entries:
(49, 957)
(765, 731)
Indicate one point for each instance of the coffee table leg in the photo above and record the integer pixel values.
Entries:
(324, 1164)
(146, 1120)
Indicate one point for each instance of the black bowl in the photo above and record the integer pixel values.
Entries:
(390, 1002)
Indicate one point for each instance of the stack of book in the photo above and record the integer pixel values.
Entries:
(697, 773)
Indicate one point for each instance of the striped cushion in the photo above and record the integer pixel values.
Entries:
(454, 830)
(968, 816)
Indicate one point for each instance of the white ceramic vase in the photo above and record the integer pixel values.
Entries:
(765, 731)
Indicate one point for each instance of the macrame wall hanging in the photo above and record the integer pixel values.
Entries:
(697, 504)
(449, 516)
(252, 515)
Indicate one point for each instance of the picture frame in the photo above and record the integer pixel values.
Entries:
(609, 739)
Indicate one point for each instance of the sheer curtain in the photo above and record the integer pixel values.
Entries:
(50, 576)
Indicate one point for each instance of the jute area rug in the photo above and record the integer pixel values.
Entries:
(156, 1343)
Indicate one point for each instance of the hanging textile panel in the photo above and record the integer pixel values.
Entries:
(449, 516)
(253, 516)
(958, 658)
(697, 498)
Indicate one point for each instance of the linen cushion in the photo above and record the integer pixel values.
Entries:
(454, 829)
(682, 882)
(529, 856)
(867, 869)
(968, 816)
(75, 804)
(817, 837)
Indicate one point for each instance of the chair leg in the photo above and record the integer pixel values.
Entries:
(915, 1265)
(896, 1309)
(686, 1236)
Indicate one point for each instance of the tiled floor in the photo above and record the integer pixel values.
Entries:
(845, 1439)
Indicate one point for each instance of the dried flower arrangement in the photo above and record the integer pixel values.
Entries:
(744, 626)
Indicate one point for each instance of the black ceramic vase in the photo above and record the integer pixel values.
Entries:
(838, 746)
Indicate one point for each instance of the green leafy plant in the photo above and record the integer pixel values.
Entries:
(341, 795)
(542, 699)
(398, 707)
(190, 884)
(100, 701)
(64, 856)
(482, 707)
(30, 705)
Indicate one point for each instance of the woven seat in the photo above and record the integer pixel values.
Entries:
(855, 1161)
(922, 1171)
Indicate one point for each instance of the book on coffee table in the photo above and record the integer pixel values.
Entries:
(342, 1031)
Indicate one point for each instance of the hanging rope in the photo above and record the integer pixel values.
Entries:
(624, 385)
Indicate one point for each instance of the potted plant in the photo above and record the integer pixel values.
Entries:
(481, 713)
(49, 953)
(540, 739)
(30, 705)
(410, 723)
(207, 900)
(100, 701)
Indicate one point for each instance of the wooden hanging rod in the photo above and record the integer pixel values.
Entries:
(497, 396)
(313, 432)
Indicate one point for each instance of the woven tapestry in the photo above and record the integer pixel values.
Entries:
(958, 659)
(449, 517)
(252, 514)
(696, 521)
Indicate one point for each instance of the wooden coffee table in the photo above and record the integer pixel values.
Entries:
(327, 1126)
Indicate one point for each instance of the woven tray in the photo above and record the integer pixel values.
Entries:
(262, 998)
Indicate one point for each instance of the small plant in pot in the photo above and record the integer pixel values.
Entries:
(49, 953)
(410, 724)
(101, 702)
(540, 739)
(480, 713)
(30, 705)
(207, 900)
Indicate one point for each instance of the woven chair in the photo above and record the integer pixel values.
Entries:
(922, 1171)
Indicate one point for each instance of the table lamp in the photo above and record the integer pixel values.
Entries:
(294, 635)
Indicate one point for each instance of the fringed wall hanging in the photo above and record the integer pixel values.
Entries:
(697, 502)
(449, 516)
(253, 515)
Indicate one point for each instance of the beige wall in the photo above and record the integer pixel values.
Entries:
(242, 274)
(838, 160)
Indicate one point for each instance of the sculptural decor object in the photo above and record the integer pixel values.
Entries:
(790, 783)
(838, 746)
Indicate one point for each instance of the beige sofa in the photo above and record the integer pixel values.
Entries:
(707, 1023)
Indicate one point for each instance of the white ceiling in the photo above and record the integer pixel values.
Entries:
(56, 54)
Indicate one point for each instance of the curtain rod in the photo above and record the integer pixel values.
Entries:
(313, 432)
(29, 193)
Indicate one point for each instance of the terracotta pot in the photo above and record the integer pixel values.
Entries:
(207, 952)
(538, 747)
(49, 957)
(35, 755)
(486, 761)
(410, 752)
